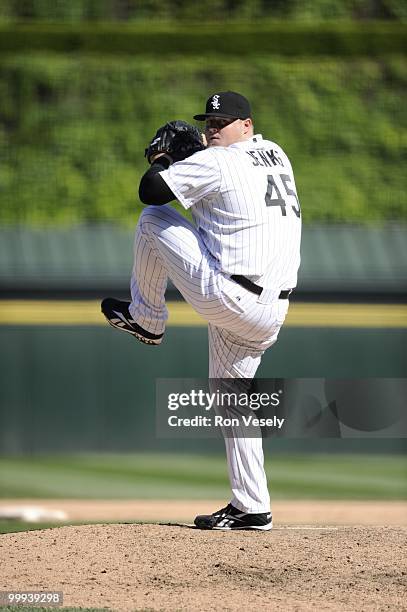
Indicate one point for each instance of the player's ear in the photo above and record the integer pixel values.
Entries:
(247, 125)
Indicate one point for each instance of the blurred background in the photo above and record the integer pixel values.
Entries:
(84, 84)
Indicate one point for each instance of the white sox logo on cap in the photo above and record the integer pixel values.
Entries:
(215, 102)
(226, 104)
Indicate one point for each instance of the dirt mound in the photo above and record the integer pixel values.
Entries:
(159, 567)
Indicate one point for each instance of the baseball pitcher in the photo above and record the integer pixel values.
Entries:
(236, 264)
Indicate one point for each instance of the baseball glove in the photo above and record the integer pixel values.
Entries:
(176, 138)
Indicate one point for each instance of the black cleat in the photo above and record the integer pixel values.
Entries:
(231, 518)
(118, 316)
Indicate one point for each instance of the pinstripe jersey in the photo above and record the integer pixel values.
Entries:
(245, 206)
(247, 221)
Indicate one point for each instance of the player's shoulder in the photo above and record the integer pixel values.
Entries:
(206, 156)
(199, 161)
(255, 142)
(213, 157)
(264, 143)
(271, 145)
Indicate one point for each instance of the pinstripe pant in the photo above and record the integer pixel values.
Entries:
(240, 329)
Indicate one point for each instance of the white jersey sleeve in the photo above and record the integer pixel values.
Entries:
(195, 178)
(245, 207)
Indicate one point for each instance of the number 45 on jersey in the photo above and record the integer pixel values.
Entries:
(273, 195)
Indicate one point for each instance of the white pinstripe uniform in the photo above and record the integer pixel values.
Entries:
(247, 221)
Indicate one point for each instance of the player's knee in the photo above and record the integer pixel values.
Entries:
(148, 215)
(152, 219)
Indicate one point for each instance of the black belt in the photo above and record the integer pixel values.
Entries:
(247, 284)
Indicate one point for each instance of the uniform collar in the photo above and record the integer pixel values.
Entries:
(255, 139)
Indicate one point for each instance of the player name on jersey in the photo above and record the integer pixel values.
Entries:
(265, 158)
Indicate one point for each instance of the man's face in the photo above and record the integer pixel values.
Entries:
(221, 132)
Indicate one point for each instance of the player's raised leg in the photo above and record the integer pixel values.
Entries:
(166, 244)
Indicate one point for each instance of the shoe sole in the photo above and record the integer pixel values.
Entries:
(132, 333)
(246, 527)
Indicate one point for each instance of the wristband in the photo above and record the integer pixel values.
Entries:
(164, 161)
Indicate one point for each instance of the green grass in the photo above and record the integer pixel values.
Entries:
(12, 526)
(169, 476)
(16, 525)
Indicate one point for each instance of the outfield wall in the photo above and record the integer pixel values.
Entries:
(96, 260)
(68, 388)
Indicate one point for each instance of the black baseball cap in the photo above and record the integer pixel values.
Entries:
(228, 104)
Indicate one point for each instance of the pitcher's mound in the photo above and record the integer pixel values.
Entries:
(159, 567)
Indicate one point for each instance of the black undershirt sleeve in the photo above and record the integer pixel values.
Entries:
(153, 189)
